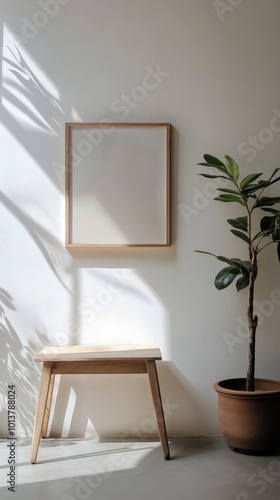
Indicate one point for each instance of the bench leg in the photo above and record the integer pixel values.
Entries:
(48, 407)
(155, 389)
(40, 411)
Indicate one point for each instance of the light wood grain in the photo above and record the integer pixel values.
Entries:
(168, 184)
(77, 359)
(70, 127)
(114, 124)
(99, 366)
(40, 411)
(155, 389)
(48, 406)
(83, 352)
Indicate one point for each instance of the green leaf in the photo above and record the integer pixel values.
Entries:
(278, 250)
(241, 235)
(269, 182)
(207, 253)
(261, 234)
(244, 266)
(235, 262)
(225, 277)
(224, 259)
(249, 194)
(230, 191)
(232, 168)
(218, 167)
(232, 262)
(272, 230)
(212, 176)
(273, 173)
(239, 223)
(249, 179)
(258, 235)
(230, 198)
(271, 210)
(267, 223)
(219, 257)
(212, 159)
(276, 235)
(260, 186)
(247, 264)
(267, 201)
(250, 191)
(242, 283)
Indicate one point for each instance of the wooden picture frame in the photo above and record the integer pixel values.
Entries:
(117, 184)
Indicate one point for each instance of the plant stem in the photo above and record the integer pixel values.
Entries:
(252, 321)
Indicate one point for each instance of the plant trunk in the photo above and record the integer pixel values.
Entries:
(252, 325)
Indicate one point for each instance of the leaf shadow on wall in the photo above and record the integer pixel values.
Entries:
(17, 367)
(51, 249)
(24, 93)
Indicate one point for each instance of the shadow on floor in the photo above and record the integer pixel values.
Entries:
(202, 468)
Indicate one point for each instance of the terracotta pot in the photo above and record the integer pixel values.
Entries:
(250, 421)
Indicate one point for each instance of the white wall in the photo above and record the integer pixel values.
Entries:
(218, 85)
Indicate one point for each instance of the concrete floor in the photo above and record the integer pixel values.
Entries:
(82, 469)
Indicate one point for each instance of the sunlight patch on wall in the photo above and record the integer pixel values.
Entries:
(69, 411)
(90, 430)
(116, 306)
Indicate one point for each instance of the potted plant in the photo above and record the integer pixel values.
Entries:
(249, 407)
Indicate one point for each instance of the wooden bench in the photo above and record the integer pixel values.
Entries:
(77, 359)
